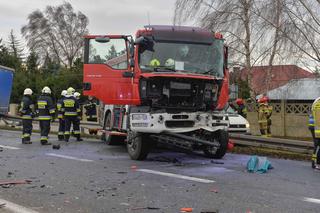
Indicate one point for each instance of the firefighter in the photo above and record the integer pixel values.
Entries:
(46, 112)
(71, 110)
(241, 108)
(314, 127)
(263, 113)
(91, 109)
(60, 116)
(27, 113)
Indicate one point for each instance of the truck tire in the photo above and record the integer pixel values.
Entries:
(137, 145)
(223, 138)
(108, 139)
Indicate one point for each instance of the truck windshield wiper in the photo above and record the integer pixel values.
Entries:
(163, 68)
(208, 71)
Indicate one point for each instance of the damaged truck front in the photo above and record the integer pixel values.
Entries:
(167, 86)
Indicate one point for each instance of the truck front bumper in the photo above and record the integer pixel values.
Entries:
(177, 123)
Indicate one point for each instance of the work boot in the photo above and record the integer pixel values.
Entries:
(66, 138)
(60, 137)
(79, 139)
(26, 140)
(45, 142)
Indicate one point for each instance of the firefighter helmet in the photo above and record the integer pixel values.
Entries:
(70, 91)
(64, 93)
(263, 99)
(169, 62)
(27, 91)
(46, 90)
(154, 62)
(239, 101)
(77, 95)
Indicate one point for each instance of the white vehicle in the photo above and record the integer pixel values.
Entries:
(237, 123)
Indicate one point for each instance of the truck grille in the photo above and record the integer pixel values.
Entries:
(179, 124)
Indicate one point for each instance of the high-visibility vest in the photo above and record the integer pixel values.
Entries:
(316, 116)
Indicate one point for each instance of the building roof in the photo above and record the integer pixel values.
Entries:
(279, 76)
(298, 89)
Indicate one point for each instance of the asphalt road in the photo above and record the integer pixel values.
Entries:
(90, 176)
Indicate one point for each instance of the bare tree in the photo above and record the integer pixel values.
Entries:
(57, 32)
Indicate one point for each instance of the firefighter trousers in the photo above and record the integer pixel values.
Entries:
(75, 122)
(26, 130)
(61, 128)
(316, 149)
(44, 130)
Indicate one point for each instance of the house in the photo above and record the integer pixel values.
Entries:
(280, 75)
(306, 89)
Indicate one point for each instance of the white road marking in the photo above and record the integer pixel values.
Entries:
(69, 157)
(311, 200)
(8, 147)
(200, 180)
(15, 207)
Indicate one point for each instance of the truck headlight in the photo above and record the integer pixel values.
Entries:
(139, 117)
(248, 125)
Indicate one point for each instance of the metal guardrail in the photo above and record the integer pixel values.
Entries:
(303, 147)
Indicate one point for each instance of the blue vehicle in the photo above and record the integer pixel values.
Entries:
(6, 80)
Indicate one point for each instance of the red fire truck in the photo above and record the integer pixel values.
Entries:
(166, 86)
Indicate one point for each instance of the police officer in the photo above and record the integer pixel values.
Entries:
(71, 109)
(314, 127)
(241, 109)
(91, 110)
(60, 116)
(46, 111)
(27, 112)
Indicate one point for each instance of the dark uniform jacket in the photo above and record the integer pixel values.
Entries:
(59, 107)
(46, 108)
(26, 107)
(70, 106)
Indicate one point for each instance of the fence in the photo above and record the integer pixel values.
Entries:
(289, 119)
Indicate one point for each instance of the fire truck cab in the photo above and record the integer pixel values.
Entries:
(166, 86)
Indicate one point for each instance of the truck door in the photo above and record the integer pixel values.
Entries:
(107, 74)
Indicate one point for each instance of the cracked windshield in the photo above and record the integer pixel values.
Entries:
(186, 57)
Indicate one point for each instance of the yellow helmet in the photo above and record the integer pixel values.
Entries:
(154, 62)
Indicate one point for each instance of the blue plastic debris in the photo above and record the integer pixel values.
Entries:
(258, 164)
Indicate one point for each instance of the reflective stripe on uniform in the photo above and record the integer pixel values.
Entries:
(76, 132)
(67, 133)
(60, 133)
(78, 110)
(52, 111)
(314, 157)
(44, 117)
(70, 113)
(60, 116)
(26, 117)
(44, 138)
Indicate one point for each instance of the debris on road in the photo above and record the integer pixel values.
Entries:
(57, 146)
(214, 190)
(14, 182)
(216, 162)
(186, 209)
(258, 164)
(141, 208)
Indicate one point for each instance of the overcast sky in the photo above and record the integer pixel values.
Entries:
(105, 16)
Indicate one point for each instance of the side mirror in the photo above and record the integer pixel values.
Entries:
(102, 39)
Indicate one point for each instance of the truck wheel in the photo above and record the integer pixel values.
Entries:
(223, 138)
(108, 139)
(137, 145)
